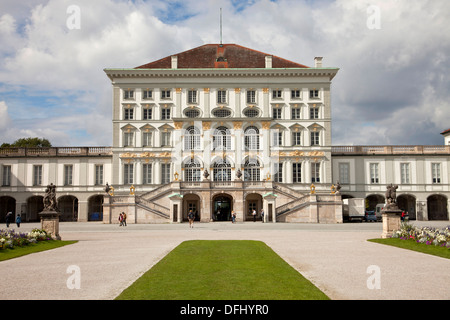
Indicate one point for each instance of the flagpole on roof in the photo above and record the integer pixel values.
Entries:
(220, 26)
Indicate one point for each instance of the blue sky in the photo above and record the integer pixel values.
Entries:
(392, 87)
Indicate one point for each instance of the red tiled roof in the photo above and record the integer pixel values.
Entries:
(446, 131)
(221, 56)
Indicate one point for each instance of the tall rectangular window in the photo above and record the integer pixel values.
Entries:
(314, 113)
(147, 173)
(6, 176)
(221, 96)
(128, 139)
(315, 138)
(165, 113)
(147, 139)
(192, 96)
(404, 173)
(344, 173)
(315, 172)
(296, 113)
(166, 139)
(296, 172)
(278, 172)
(68, 172)
(436, 172)
(99, 175)
(296, 138)
(374, 174)
(147, 113)
(277, 138)
(251, 96)
(276, 113)
(165, 173)
(128, 113)
(37, 175)
(128, 173)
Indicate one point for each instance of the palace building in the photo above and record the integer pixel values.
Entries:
(222, 128)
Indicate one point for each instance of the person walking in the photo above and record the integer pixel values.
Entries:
(191, 219)
(120, 219)
(18, 220)
(8, 218)
(262, 215)
(233, 216)
(254, 215)
(124, 219)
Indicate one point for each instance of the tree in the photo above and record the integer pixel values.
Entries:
(28, 143)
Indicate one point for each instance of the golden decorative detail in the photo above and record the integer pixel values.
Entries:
(178, 90)
(265, 125)
(237, 90)
(237, 125)
(206, 90)
(132, 189)
(128, 155)
(313, 189)
(176, 175)
(316, 154)
(266, 90)
(206, 125)
(111, 191)
(148, 155)
(165, 155)
(178, 125)
(333, 189)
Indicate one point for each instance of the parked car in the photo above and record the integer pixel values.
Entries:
(370, 216)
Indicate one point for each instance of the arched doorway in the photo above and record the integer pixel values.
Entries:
(437, 207)
(253, 201)
(222, 206)
(95, 208)
(7, 204)
(35, 204)
(372, 201)
(407, 202)
(68, 207)
(191, 202)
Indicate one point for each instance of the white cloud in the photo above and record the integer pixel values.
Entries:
(390, 78)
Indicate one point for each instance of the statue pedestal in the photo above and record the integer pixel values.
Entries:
(391, 222)
(50, 223)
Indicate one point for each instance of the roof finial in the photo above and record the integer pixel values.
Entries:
(220, 26)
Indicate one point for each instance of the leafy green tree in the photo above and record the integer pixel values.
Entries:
(28, 143)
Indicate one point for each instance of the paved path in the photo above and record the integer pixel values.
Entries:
(335, 258)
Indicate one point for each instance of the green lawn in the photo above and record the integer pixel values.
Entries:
(6, 254)
(412, 245)
(222, 270)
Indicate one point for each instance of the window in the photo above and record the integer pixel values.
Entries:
(277, 138)
(68, 171)
(436, 172)
(166, 140)
(128, 173)
(165, 113)
(404, 173)
(276, 94)
(147, 94)
(278, 172)
(296, 113)
(251, 96)
(37, 175)
(165, 94)
(344, 173)
(128, 94)
(128, 113)
(251, 138)
(315, 172)
(192, 113)
(6, 176)
(222, 139)
(147, 113)
(147, 139)
(128, 139)
(374, 175)
(314, 113)
(192, 96)
(315, 137)
(251, 113)
(98, 175)
(192, 171)
(221, 113)
(192, 138)
(252, 170)
(147, 173)
(297, 139)
(296, 172)
(314, 94)
(276, 113)
(295, 94)
(222, 170)
(221, 96)
(165, 173)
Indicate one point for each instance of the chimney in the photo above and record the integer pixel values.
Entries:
(268, 61)
(174, 64)
(318, 62)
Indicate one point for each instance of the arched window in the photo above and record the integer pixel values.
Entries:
(222, 170)
(192, 138)
(252, 170)
(222, 139)
(251, 138)
(192, 170)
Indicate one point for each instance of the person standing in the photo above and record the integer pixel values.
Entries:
(262, 215)
(124, 219)
(233, 216)
(191, 219)
(120, 219)
(8, 218)
(254, 215)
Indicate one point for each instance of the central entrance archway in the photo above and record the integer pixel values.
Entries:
(222, 206)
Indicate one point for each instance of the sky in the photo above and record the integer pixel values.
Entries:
(392, 88)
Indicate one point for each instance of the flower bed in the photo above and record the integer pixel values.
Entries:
(10, 239)
(425, 235)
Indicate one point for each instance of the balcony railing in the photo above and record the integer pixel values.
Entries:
(55, 151)
(382, 150)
